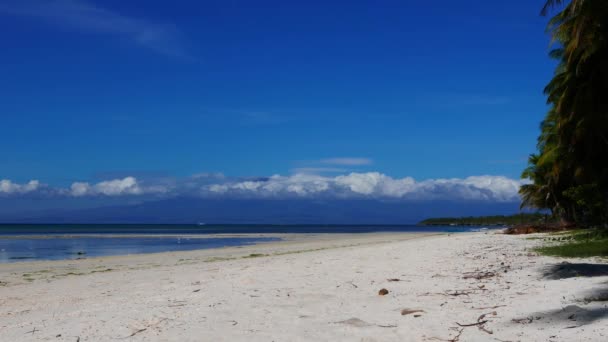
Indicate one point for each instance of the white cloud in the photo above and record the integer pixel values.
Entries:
(301, 185)
(86, 16)
(125, 186)
(80, 189)
(8, 187)
(115, 187)
(374, 185)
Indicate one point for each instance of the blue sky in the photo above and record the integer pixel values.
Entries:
(94, 91)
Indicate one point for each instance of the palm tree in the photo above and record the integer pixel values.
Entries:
(573, 146)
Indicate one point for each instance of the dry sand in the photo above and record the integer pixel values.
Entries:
(461, 287)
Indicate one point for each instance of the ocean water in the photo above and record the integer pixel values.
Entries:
(61, 241)
(181, 229)
(61, 248)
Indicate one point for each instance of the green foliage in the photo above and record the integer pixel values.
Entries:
(499, 220)
(569, 173)
(578, 244)
(577, 250)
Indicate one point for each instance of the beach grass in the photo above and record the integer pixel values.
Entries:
(577, 244)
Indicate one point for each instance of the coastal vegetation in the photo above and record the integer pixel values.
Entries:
(497, 220)
(577, 244)
(569, 171)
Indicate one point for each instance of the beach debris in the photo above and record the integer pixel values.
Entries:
(482, 326)
(478, 275)
(134, 333)
(457, 337)
(355, 322)
(490, 307)
(457, 293)
(406, 312)
(33, 331)
(383, 292)
(197, 290)
(393, 279)
(471, 324)
(526, 320)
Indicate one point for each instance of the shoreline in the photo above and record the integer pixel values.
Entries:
(289, 243)
(460, 287)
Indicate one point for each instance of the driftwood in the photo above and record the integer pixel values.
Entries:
(405, 312)
(481, 326)
(471, 324)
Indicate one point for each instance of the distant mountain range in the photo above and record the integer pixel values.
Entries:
(265, 211)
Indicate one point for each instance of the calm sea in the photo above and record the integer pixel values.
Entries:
(74, 241)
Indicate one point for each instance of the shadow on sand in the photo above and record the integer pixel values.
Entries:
(573, 315)
(567, 270)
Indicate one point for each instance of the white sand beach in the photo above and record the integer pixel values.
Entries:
(459, 287)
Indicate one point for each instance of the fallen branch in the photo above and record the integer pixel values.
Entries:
(135, 333)
(472, 324)
(457, 337)
(33, 331)
(481, 326)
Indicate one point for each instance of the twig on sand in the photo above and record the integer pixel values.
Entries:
(457, 337)
(526, 320)
(454, 339)
(452, 293)
(471, 324)
(481, 326)
(489, 307)
(33, 331)
(135, 333)
(479, 275)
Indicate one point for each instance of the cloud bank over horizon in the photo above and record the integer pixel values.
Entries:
(355, 185)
